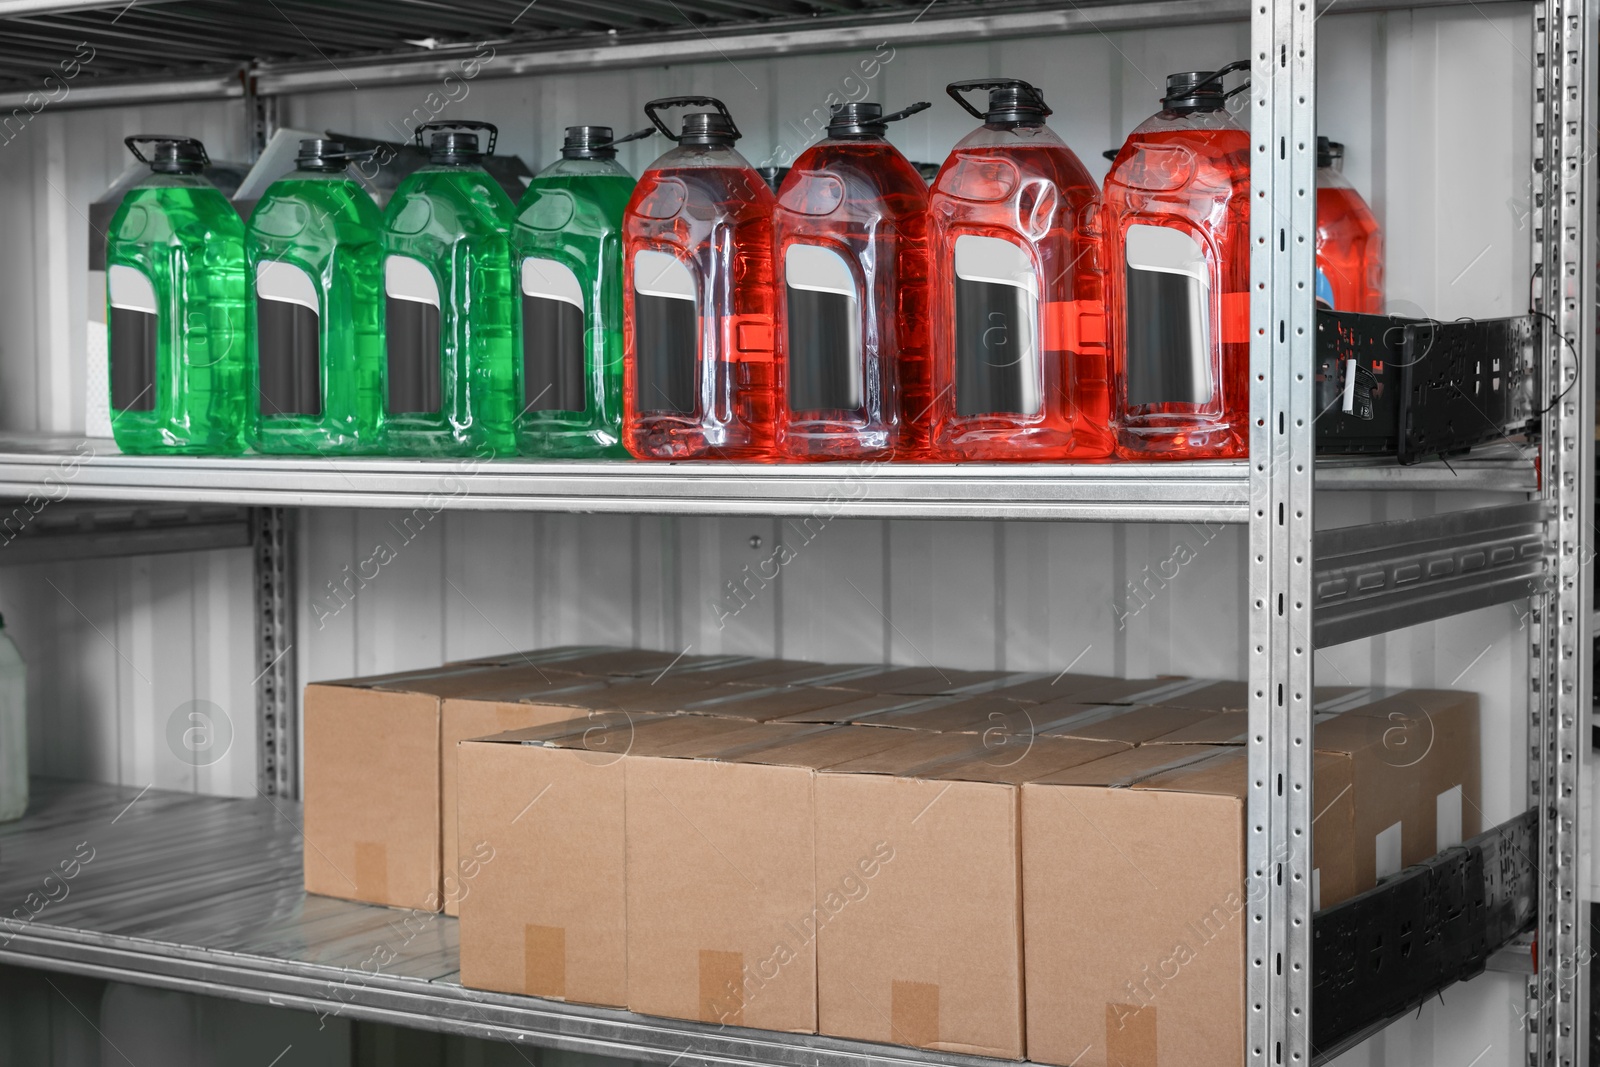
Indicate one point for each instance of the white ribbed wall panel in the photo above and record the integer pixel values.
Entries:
(1433, 106)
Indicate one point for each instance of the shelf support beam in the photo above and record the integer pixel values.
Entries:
(1387, 575)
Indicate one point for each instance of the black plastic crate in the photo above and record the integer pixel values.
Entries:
(1383, 952)
(1417, 388)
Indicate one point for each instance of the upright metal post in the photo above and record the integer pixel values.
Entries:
(1282, 245)
(1563, 194)
(277, 726)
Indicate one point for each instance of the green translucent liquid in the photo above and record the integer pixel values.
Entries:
(326, 225)
(456, 220)
(183, 235)
(572, 214)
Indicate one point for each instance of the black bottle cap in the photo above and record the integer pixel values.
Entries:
(708, 128)
(865, 121)
(454, 149)
(1012, 101)
(1201, 90)
(859, 121)
(701, 128)
(1020, 105)
(169, 155)
(455, 144)
(1329, 153)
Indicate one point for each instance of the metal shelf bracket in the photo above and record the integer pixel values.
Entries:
(1388, 575)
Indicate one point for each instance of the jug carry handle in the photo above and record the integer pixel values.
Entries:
(920, 105)
(653, 106)
(1219, 75)
(648, 131)
(465, 124)
(955, 89)
(157, 138)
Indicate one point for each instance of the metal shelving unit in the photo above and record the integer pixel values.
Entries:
(254, 936)
(1214, 492)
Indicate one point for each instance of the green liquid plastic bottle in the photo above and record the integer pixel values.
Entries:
(450, 312)
(567, 240)
(315, 251)
(176, 317)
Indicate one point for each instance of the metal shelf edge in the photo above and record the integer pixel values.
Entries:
(447, 1008)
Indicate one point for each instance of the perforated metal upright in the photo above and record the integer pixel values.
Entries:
(1282, 355)
(1562, 189)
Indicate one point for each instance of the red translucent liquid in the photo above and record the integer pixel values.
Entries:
(1349, 245)
(712, 213)
(1022, 186)
(1197, 181)
(863, 201)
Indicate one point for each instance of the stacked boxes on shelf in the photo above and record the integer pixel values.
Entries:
(1047, 866)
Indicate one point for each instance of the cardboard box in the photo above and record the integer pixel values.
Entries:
(541, 818)
(605, 661)
(919, 891)
(1414, 764)
(721, 874)
(1045, 687)
(1007, 722)
(770, 703)
(1134, 880)
(374, 792)
(915, 681)
(859, 707)
(497, 700)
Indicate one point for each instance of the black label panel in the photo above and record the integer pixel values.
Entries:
(133, 359)
(824, 366)
(414, 357)
(996, 359)
(290, 358)
(1168, 347)
(668, 353)
(552, 355)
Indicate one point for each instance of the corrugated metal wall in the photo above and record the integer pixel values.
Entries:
(1434, 109)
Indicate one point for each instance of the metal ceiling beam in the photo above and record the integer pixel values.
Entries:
(689, 44)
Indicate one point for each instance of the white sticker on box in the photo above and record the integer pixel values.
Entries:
(1448, 818)
(1389, 852)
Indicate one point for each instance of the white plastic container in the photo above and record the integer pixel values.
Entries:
(13, 729)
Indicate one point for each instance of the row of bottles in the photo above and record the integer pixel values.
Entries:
(1013, 311)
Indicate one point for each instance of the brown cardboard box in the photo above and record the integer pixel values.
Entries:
(1414, 766)
(1135, 898)
(915, 681)
(510, 698)
(765, 703)
(857, 707)
(722, 876)
(543, 830)
(1046, 686)
(372, 785)
(1006, 721)
(919, 891)
(607, 661)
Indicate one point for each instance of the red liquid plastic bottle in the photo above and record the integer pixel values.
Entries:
(1349, 242)
(1019, 368)
(700, 319)
(852, 266)
(1177, 233)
